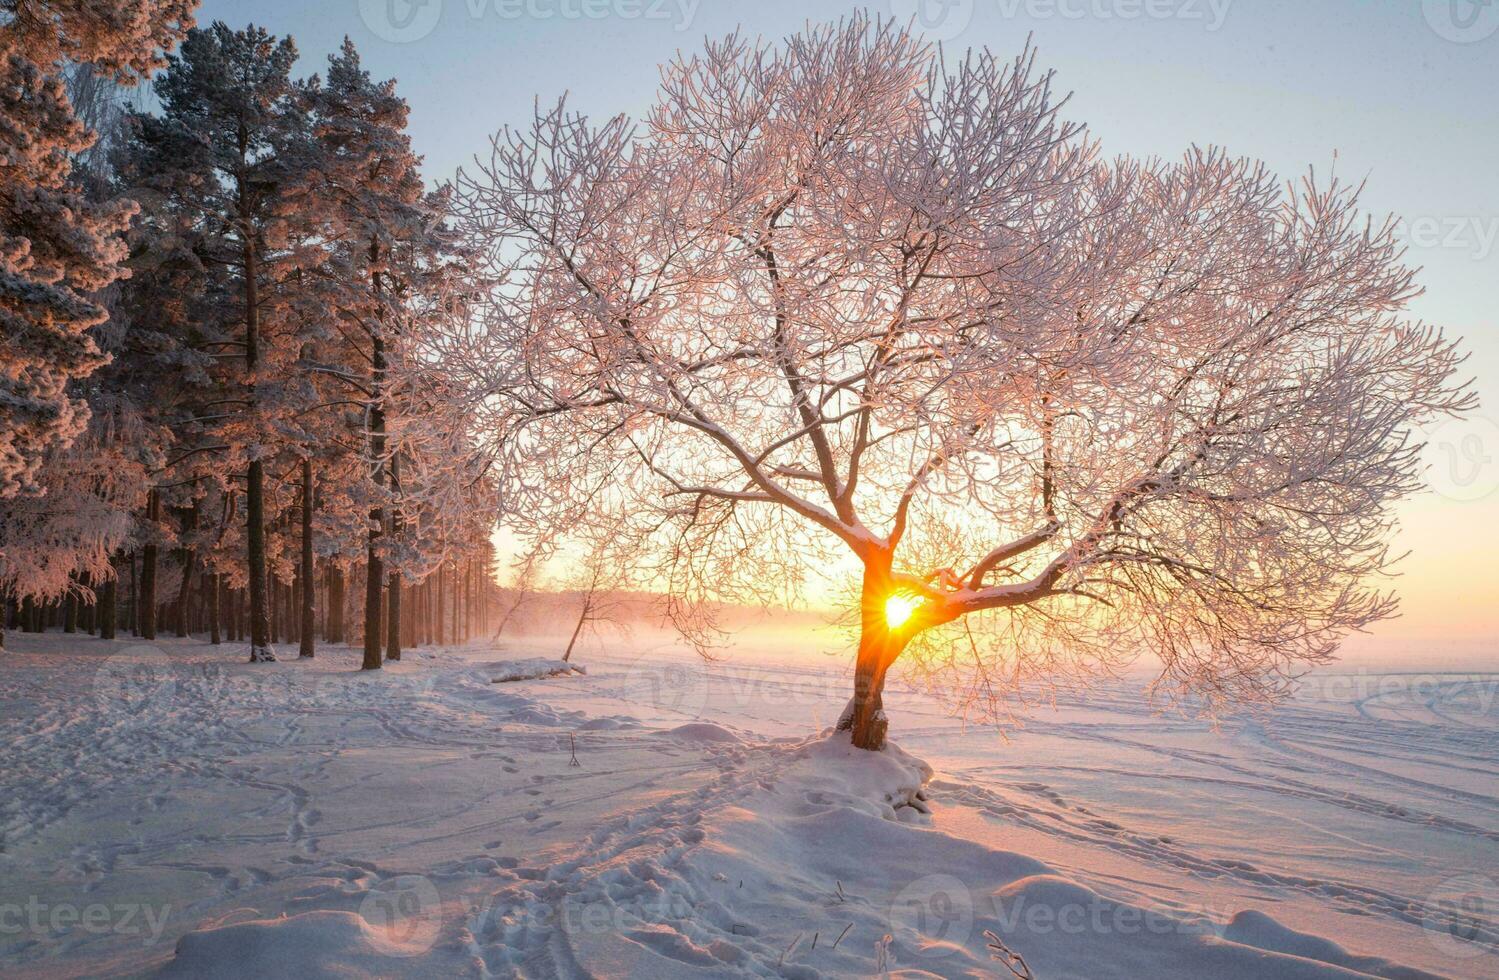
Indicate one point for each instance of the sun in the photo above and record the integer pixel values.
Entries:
(899, 608)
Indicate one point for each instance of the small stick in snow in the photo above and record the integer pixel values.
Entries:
(841, 896)
(787, 951)
(814, 943)
(1012, 960)
(842, 934)
(573, 741)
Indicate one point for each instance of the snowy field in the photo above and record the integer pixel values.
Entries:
(170, 811)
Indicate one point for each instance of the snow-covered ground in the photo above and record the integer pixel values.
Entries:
(169, 810)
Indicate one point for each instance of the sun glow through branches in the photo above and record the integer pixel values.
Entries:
(899, 608)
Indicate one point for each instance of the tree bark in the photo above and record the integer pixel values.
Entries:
(335, 632)
(146, 597)
(582, 619)
(260, 610)
(864, 717)
(393, 589)
(109, 606)
(374, 579)
(214, 587)
(309, 592)
(438, 608)
(180, 606)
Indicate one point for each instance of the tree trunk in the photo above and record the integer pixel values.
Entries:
(273, 610)
(438, 611)
(335, 604)
(109, 606)
(146, 598)
(582, 619)
(260, 610)
(86, 610)
(864, 717)
(309, 592)
(468, 599)
(213, 589)
(70, 613)
(393, 590)
(180, 607)
(135, 599)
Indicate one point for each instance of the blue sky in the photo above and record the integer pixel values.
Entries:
(1401, 92)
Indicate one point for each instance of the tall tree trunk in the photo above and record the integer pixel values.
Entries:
(468, 598)
(393, 587)
(214, 589)
(236, 625)
(86, 609)
(374, 582)
(309, 593)
(70, 613)
(135, 598)
(180, 607)
(439, 611)
(274, 610)
(109, 606)
(335, 604)
(146, 599)
(260, 610)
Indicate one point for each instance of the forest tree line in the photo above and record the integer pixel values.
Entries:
(217, 282)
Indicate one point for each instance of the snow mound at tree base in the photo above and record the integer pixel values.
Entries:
(890, 783)
(534, 668)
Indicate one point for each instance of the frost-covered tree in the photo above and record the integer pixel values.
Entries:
(220, 148)
(376, 224)
(57, 247)
(838, 298)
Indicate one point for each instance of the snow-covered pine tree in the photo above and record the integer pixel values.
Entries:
(56, 246)
(221, 149)
(377, 229)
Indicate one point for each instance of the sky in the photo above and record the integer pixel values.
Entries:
(1401, 93)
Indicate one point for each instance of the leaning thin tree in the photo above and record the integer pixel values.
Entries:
(1065, 410)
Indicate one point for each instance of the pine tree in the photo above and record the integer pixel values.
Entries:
(221, 148)
(56, 246)
(365, 184)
